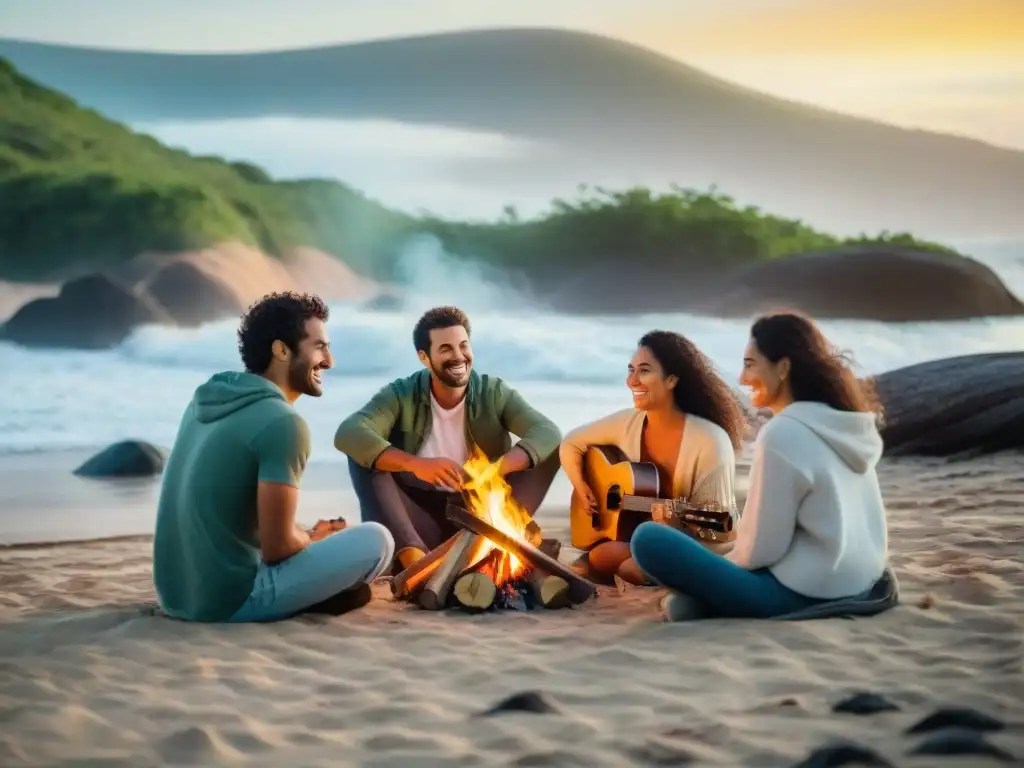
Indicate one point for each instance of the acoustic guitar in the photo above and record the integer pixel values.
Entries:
(628, 493)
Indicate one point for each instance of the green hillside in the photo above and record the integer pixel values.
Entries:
(81, 192)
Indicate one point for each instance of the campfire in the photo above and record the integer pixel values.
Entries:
(498, 559)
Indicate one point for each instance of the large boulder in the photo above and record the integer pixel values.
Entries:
(92, 312)
(888, 284)
(191, 296)
(129, 458)
(176, 289)
(973, 403)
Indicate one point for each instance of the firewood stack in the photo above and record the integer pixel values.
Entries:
(455, 575)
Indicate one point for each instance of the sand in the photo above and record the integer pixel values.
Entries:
(89, 676)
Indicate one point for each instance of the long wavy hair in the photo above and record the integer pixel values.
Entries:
(819, 372)
(700, 391)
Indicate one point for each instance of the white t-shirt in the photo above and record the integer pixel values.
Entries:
(447, 438)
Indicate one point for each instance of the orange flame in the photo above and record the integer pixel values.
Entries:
(490, 498)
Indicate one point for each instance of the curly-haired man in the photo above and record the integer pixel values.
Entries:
(227, 547)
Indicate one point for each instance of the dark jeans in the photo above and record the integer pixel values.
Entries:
(674, 560)
(414, 512)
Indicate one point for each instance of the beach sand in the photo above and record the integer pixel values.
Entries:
(89, 676)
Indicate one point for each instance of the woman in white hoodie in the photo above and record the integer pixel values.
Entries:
(814, 525)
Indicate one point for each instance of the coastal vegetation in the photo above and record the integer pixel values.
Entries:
(81, 193)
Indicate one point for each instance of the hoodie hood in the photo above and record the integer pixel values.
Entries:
(854, 437)
(228, 392)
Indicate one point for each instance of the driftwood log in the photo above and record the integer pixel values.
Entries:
(549, 591)
(972, 403)
(580, 589)
(439, 587)
(416, 575)
(476, 589)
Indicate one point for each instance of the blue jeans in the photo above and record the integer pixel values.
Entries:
(674, 560)
(339, 562)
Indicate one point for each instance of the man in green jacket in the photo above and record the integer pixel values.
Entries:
(407, 445)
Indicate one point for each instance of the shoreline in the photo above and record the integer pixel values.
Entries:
(43, 504)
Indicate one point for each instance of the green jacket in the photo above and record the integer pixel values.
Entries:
(399, 415)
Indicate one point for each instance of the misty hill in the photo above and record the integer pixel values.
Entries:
(612, 110)
(109, 212)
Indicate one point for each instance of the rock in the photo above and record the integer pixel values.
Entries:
(961, 742)
(888, 284)
(129, 458)
(842, 753)
(865, 703)
(536, 702)
(972, 403)
(92, 312)
(190, 296)
(176, 289)
(957, 717)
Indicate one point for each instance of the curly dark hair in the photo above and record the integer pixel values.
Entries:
(818, 371)
(435, 319)
(277, 316)
(700, 390)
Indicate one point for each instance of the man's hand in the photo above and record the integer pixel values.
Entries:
(325, 528)
(443, 472)
(516, 460)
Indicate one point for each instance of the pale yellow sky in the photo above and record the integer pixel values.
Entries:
(947, 65)
(828, 28)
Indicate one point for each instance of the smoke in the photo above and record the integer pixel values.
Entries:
(435, 277)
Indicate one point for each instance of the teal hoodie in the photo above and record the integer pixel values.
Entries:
(237, 431)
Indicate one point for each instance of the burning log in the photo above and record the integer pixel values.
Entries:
(439, 587)
(579, 589)
(475, 589)
(416, 575)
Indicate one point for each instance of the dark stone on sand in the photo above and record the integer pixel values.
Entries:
(865, 703)
(961, 742)
(886, 283)
(842, 753)
(957, 405)
(129, 458)
(536, 702)
(963, 718)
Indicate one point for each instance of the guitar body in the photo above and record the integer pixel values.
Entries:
(611, 477)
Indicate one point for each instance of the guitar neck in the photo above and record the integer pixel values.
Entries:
(639, 503)
(632, 503)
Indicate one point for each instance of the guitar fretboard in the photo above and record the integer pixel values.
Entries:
(638, 503)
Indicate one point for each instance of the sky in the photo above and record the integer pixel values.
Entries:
(955, 66)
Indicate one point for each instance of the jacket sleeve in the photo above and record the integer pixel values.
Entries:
(765, 531)
(363, 436)
(537, 434)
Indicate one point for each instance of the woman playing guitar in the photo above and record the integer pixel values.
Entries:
(685, 421)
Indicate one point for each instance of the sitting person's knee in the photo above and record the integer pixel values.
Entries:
(382, 538)
(607, 557)
(646, 539)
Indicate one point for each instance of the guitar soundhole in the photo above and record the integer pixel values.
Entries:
(614, 498)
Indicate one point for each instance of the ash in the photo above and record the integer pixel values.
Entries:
(515, 596)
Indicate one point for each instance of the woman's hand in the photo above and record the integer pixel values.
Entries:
(586, 496)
